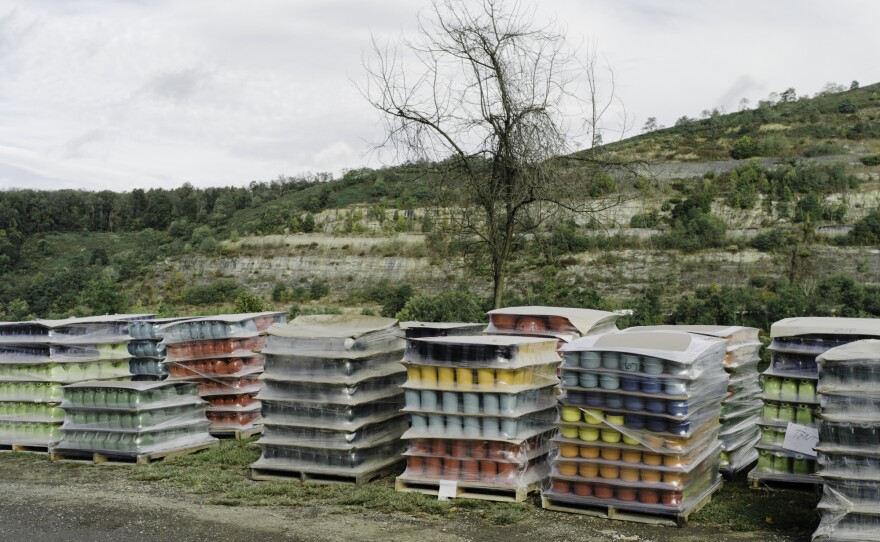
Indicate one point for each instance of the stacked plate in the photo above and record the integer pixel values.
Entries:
(129, 419)
(639, 423)
(331, 397)
(849, 442)
(790, 391)
(146, 348)
(221, 354)
(482, 410)
(741, 407)
(37, 358)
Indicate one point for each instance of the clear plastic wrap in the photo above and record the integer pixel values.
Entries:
(740, 458)
(779, 414)
(851, 406)
(480, 427)
(854, 367)
(736, 436)
(371, 389)
(491, 450)
(637, 498)
(490, 352)
(352, 366)
(419, 330)
(480, 404)
(39, 354)
(322, 335)
(644, 387)
(31, 412)
(231, 367)
(214, 348)
(336, 439)
(302, 457)
(563, 323)
(133, 444)
(29, 433)
(848, 463)
(445, 378)
(245, 402)
(146, 349)
(32, 392)
(222, 420)
(619, 473)
(333, 415)
(848, 524)
(214, 386)
(147, 366)
(129, 421)
(850, 435)
(478, 473)
(96, 329)
(651, 353)
(129, 396)
(777, 463)
(223, 326)
(648, 430)
(64, 372)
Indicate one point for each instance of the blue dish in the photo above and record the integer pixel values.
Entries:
(651, 386)
(657, 406)
(629, 384)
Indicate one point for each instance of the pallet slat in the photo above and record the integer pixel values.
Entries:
(237, 434)
(322, 476)
(24, 448)
(624, 513)
(466, 490)
(101, 458)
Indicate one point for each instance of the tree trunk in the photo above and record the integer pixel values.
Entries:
(497, 286)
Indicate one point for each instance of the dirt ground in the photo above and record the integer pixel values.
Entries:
(44, 501)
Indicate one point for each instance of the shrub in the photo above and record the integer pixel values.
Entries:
(454, 306)
(745, 147)
(248, 302)
(650, 219)
(217, 292)
(871, 160)
(866, 231)
(768, 241)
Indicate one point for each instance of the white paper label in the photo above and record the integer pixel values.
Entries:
(801, 439)
(448, 490)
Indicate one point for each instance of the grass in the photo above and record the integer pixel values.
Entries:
(220, 475)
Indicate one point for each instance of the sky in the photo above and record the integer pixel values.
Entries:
(124, 94)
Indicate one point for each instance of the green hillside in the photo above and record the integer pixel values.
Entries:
(758, 214)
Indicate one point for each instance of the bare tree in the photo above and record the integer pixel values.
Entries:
(490, 103)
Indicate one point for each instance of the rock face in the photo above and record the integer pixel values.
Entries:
(612, 273)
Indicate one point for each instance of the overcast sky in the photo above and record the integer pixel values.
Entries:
(103, 94)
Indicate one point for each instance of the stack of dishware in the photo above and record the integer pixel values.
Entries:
(331, 399)
(221, 354)
(849, 442)
(132, 419)
(790, 391)
(38, 358)
(483, 411)
(639, 424)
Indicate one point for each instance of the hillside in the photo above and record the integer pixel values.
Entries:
(745, 216)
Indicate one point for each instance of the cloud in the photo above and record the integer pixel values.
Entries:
(114, 95)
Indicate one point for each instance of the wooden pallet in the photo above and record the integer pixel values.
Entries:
(237, 434)
(771, 482)
(100, 458)
(324, 476)
(469, 490)
(24, 448)
(621, 513)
